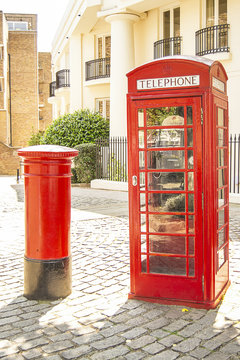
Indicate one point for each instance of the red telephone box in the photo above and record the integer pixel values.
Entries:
(178, 181)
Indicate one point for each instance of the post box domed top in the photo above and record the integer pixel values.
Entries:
(50, 151)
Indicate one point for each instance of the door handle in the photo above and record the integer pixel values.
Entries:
(134, 180)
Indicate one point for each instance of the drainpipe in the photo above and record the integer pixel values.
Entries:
(10, 97)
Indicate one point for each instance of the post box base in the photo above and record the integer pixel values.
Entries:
(47, 279)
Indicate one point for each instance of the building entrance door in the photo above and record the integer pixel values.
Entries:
(165, 198)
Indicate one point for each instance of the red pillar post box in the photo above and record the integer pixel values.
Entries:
(47, 260)
(178, 181)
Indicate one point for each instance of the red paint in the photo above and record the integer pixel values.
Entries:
(172, 272)
(47, 173)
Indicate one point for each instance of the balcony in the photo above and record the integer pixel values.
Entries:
(213, 39)
(52, 88)
(98, 69)
(63, 78)
(167, 47)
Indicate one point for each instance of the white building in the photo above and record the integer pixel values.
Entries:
(99, 41)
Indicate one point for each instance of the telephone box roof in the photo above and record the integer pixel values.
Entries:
(198, 59)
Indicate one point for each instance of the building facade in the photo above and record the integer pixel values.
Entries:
(99, 41)
(24, 79)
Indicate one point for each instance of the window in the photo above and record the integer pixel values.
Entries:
(103, 107)
(213, 37)
(216, 12)
(171, 23)
(17, 25)
(1, 52)
(171, 40)
(103, 46)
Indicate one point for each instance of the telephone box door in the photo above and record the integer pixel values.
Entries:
(165, 198)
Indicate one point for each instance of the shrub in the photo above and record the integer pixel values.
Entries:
(35, 139)
(85, 163)
(82, 126)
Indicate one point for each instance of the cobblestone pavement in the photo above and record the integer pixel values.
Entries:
(96, 321)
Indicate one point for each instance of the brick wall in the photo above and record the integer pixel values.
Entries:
(22, 46)
(44, 79)
(9, 160)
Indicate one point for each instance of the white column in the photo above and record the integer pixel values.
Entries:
(122, 61)
(75, 73)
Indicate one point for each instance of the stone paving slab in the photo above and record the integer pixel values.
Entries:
(97, 321)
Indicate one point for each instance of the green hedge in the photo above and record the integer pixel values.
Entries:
(81, 127)
(84, 169)
(36, 138)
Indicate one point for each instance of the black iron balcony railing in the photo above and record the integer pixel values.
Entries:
(167, 47)
(97, 69)
(212, 39)
(52, 88)
(63, 78)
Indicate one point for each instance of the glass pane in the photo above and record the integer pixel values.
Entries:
(222, 257)
(221, 218)
(221, 138)
(220, 116)
(222, 12)
(191, 225)
(10, 25)
(143, 243)
(140, 117)
(166, 24)
(166, 202)
(222, 158)
(144, 263)
(221, 237)
(142, 202)
(176, 15)
(190, 159)
(141, 139)
(100, 48)
(190, 137)
(167, 244)
(167, 224)
(167, 265)
(221, 197)
(166, 181)
(108, 109)
(165, 116)
(221, 177)
(165, 138)
(170, 159)
(191, 245)
(191, 267)
(143, 222)
(190, 181)
(189, 115)
(190, 202)
(20, 26)
(142, 181)
(141, 160)
(209, 12)
(108, 46)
